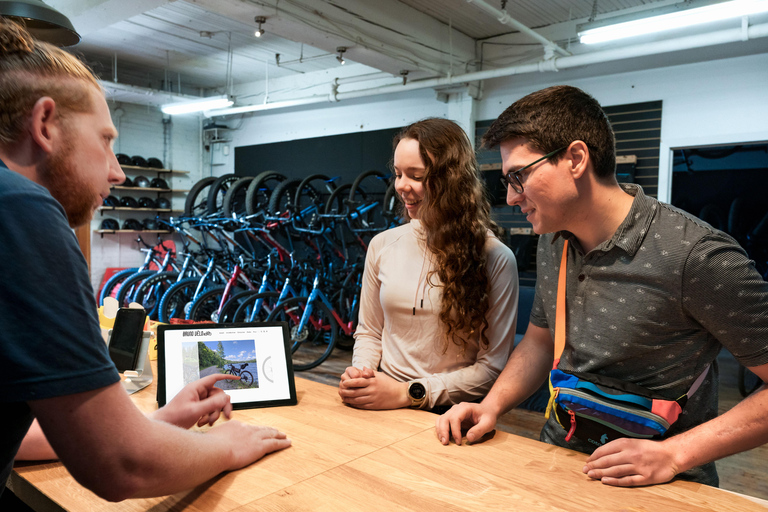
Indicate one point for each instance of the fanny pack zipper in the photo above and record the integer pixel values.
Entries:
(645, 414)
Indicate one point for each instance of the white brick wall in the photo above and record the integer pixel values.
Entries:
(141, 133)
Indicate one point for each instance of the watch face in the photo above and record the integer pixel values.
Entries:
(417, 391)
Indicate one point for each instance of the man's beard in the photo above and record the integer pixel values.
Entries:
(66, 185)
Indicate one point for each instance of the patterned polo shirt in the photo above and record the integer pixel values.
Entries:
(654, 305)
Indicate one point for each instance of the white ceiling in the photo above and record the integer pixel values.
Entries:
(185, 45)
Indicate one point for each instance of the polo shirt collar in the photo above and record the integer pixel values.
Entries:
(631, 232)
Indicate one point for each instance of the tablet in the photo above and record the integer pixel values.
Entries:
(258, 353)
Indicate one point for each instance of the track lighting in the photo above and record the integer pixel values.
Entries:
(259, 31)
(340, 56)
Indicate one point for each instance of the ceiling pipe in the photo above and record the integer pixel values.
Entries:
(508, 20)
(646, 49)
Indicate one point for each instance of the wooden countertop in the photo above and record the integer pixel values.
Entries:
(346, 459)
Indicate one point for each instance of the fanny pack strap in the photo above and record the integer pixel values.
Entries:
(560, 321)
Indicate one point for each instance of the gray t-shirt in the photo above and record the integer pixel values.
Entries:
(654, 305)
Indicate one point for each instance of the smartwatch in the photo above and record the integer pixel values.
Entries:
(417, 393)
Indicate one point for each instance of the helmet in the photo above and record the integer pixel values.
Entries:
(129, 202)
(132, 224)
(127, 182)
(111, 201)
(163, 203)
(109, 224)
(141, 181)
(159, 183)
(146, 202)
(155, 163)
(139, 161)
(123, 159)
(149, 224)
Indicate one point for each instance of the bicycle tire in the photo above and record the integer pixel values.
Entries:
(127, 291)
(174, 302)
(244, 310)
(234, 200)
(748, 382)
(311, 346)
(336, 202)
(206, 306)
(391, 209)
(246, 378)
(228, 311)
(310, 200)
(218, 190)
(367, 189)
(260, 190)
(149, 292)
(281, 199)
(196, 204)
(113, 284)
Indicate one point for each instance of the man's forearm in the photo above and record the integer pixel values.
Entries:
(742, 428)
(526, 369)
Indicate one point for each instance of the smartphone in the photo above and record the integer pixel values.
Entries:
(125, 343)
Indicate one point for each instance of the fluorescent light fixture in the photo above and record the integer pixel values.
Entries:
(188, 107)
(671, 20)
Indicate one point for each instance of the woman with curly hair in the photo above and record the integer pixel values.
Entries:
(439, 298)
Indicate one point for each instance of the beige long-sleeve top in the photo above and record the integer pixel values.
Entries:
(399, 331)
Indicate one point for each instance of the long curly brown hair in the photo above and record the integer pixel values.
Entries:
(455, 213)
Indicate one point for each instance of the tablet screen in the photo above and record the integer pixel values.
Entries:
(257, 353)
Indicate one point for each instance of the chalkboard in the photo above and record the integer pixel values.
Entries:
(345, 156)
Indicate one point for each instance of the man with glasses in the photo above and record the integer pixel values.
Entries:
(652, 295)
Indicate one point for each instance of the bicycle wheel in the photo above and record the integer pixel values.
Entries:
(748, 382)
(336, 204)
(246, 378)
(125, 295)
(149, 292)
(264, 304)
(366, 201)
(177, 300)
(227, 315)
(281, 199)
(196, 204)
(311, 345)
(234, 200)
(311, 196)
(259, 191)
(113, 284)
(206, 306)
(218, 190)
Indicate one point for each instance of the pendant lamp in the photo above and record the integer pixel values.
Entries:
(42, 21)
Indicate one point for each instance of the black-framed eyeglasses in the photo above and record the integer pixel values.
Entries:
(513, 178)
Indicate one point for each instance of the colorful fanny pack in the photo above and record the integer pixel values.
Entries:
(599, 409)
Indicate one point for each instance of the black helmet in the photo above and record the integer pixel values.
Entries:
(132, 224)
(149, 224)
(127, 182)
(159, 183)
(109, 224)
(111, 201)
(139, 161)
(163, 203)
(146, 202)
(129, 202)
(155, 163)
(123, 159)
(141, 181)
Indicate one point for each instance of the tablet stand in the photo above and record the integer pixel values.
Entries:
(141, 376)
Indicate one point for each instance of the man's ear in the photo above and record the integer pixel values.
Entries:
(579, 157)
(44, 126)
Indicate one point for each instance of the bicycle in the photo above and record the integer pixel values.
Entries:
(246, 377)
